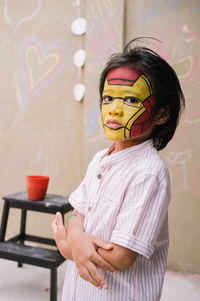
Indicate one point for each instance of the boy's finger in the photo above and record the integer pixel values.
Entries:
(84, 273)
(59, 217)
(96, 275)
(102, 244)
(102, 263)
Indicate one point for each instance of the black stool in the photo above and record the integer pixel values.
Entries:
(15, 249)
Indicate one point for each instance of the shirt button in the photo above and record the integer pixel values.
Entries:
(99, 176)
(89, 208)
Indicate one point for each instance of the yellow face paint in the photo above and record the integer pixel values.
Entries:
(127, 104)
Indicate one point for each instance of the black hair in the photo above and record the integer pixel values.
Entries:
(167, 90)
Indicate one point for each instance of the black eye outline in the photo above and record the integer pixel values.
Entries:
(109, 97)
(135, 102)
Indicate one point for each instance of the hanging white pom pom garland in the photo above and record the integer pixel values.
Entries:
(79, 27)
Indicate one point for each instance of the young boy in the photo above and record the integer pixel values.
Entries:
(117, 236)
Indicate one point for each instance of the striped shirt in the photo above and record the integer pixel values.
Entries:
(124, 198)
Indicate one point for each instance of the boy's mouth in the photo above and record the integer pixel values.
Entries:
(113, 124)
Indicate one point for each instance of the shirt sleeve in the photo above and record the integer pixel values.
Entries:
(142, 214)
(78, 198)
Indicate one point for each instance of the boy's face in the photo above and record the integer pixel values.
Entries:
(128, 103)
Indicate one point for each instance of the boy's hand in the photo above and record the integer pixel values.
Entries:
(84, 252)
(60, 236)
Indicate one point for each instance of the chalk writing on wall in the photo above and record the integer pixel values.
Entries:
(160, 8)
(40, 65)
(32, 12)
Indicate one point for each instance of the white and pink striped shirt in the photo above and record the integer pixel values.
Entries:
(124, 198)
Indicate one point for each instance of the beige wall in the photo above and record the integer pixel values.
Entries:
(43, 130)
(41, 123)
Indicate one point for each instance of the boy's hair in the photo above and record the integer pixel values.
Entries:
(167, 90)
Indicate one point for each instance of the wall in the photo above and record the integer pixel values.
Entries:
(41, 123)
(43, 130)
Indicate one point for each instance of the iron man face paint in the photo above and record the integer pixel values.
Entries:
(128, 102)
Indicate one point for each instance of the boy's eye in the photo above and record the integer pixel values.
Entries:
(107, 99)
(132, 101)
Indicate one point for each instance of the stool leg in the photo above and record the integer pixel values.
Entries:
(23, 223)
(22, 231)
(53, 290)
(4, 221)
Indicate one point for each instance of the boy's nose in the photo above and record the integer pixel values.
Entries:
(116, 108)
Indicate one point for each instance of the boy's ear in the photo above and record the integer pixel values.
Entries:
(161, 116)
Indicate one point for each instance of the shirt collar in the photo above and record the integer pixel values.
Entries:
(126, 153)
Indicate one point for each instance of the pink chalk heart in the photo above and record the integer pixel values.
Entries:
(17, 14)
(40, 65)
(104, 45)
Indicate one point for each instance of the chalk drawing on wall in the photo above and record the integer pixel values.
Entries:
(31, 11)
(180, 159)
(104, 32)
(181, 48)
(184, 171)
(160, 8)
(104, 37)
(40, 65)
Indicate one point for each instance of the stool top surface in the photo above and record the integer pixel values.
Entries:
(51, 202)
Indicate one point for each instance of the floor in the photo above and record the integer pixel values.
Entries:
(32, 284)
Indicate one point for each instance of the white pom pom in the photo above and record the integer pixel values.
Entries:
(79, 92)
(79, 26)
(79, 58)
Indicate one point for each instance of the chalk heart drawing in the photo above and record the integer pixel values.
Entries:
(40, 65)
(10, 6)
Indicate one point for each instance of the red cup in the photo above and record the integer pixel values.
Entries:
(36, 187)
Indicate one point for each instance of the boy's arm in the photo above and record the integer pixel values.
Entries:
(83, 248)
(120, 257)
(79, 246)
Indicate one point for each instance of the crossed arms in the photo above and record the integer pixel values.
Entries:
(89, 251)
